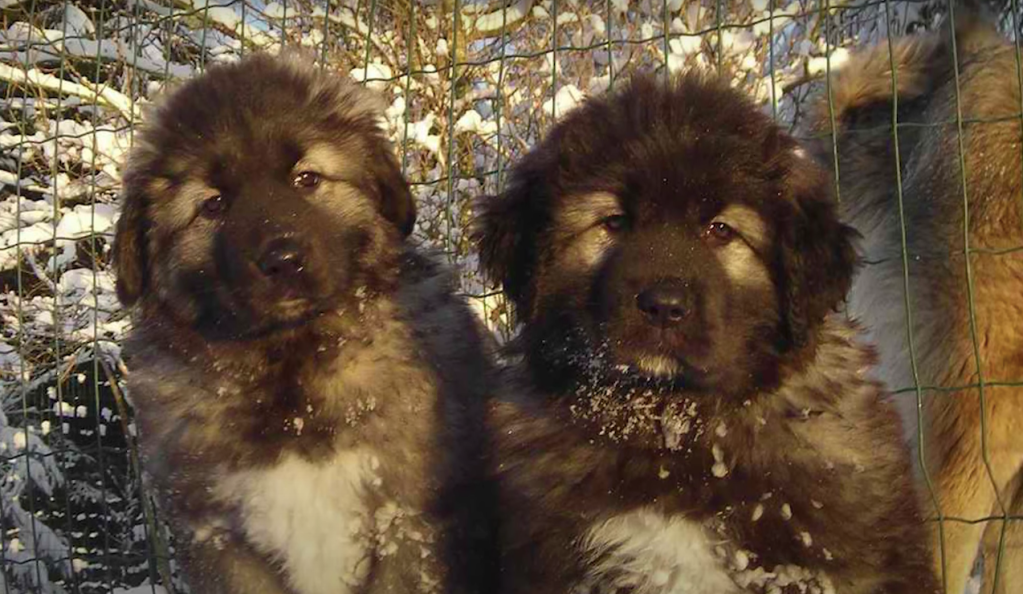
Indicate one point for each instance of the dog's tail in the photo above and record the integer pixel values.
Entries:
(865, 88)
(856, 115)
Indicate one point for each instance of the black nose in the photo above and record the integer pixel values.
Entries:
(664, 304)
(282, 258)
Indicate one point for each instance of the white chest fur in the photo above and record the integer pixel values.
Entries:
(310, 517)
(648, 553)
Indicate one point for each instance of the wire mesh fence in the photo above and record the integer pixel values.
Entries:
(469, 85)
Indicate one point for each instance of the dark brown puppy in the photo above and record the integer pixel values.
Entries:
(689, 414)
(950, 354)
(310, 394)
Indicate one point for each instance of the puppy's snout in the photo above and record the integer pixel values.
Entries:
(666, 303)
(282, 258)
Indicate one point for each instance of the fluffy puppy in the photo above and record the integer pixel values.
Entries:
(953, 354)
(310, 394)
(688, 414)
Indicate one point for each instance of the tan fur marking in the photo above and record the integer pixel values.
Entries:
(747, 222)
(657, 366)
(739, 258)
(333, 160)
(578, 230)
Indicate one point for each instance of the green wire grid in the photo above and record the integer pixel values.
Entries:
(184, 28)
(985, 454)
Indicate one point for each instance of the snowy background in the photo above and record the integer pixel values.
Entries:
(470, 87)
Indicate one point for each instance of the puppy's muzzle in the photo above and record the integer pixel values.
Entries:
(666, 304)
(282, 259)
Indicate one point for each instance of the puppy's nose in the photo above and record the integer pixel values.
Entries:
(281, 259)
(664, 304)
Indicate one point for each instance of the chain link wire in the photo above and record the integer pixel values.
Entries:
(75, 515)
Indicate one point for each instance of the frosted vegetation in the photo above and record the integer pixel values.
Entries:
(470, 86)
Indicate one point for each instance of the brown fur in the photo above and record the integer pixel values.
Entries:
(933, 198)
(738, 448)
(293, 445)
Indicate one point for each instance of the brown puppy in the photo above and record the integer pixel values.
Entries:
(946, 345)
(310, 393)
(688, 415)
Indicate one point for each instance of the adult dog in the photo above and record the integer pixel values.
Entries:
(953, 354)
(690, 417)
(310, 393)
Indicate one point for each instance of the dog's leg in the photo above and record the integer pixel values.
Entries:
(954, 546)
(231, 568)
(1010, 571)
(965, 489)
(964, 493)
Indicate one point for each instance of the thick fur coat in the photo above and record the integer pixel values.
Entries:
(687, 415)
(959, 122)
(310, 394)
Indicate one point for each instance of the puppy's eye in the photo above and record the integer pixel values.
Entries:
(718, 233)
(615, 223)
(213, 206)
(306, 179)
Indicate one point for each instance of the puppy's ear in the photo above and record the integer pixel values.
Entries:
(504, 231)
(396, 202)
(129, 249)
(817, 252)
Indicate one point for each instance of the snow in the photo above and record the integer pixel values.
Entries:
(375, 75)
(759, 579)
(146, 589)
(685, 45)
(33, 76)
(472, 122)
(74, 44)
(84, 220)
(818, 65)
(565, 18)
(76, 22)
(567, 98)
(223, 13)
(419, 132)
(274, 10)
